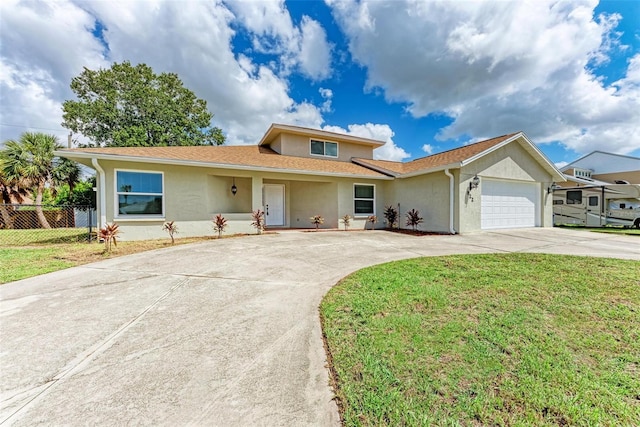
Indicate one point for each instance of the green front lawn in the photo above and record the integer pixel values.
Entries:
(507, 339)
(41, 236)
(21, 261)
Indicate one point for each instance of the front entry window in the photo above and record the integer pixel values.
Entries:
(364, 199)
(139, 193)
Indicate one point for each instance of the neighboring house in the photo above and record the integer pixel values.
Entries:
(294, 173)
(600, 168)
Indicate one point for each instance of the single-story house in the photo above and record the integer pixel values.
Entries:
(602, 168)
(294, 173)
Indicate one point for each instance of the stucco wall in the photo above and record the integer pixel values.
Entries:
(428, 194)
(511, 162)
(193, 196)
(299, 145)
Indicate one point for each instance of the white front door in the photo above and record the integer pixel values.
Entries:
(273, 198)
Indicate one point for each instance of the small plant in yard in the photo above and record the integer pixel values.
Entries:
(172, 228)
(258, 220)
(108, 234)
(346, 220)
(391, 216)
(372, 219)
(317, 220)
(413, 219)
(219, 224)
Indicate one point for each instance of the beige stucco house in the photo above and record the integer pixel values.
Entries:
(294, 173)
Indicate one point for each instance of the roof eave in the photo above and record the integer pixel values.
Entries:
(378, 169)
(101, 156)
(439, 168)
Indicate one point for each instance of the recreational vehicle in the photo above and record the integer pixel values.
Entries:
(597, 206)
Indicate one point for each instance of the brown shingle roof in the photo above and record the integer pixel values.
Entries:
(455, 155)
(238, 155)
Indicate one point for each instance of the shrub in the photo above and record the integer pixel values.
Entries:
(219, 224)
(108, 234)
(413, 219)
(346, 220)
(372, 219)
(258, 220)
(172, 228)
(317, 220)
(391, 216)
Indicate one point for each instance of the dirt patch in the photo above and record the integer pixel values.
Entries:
(416, 232)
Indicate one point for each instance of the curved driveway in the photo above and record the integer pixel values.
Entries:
(216, 333)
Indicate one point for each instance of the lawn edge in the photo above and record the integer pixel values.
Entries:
(333, 374)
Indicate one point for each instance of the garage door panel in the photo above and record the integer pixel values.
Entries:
(508, 204)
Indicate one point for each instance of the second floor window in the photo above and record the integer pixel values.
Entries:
(324, 148)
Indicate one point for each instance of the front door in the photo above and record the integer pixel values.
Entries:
(273, 198)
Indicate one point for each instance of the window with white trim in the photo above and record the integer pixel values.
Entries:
(324, 148)
(139, 193)
(364, 199)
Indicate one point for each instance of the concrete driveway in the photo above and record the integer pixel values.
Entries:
(215, 333)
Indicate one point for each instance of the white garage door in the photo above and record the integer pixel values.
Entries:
(509, 204)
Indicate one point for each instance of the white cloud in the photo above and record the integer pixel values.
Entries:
(498, 67)
(34, 72)
(273, 32)
(327, 94)
(427, 148)
(315, 51)
(44, 45)
(560, 165)
(380, 132)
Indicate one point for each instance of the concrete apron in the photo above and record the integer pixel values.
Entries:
(216, 333)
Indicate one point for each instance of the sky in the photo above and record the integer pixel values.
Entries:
(423, 76)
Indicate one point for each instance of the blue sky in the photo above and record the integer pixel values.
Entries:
(423, 76)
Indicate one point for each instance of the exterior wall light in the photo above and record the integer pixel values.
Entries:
(234, 189)
(552, 188)
(474, 183)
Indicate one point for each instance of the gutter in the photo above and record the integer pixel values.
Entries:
(452, 230)
(102, 204)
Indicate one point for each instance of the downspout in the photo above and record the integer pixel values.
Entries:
(452, 230)
(102, 203)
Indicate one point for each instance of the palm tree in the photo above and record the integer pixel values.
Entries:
(30, 161)
(10, 192)
(66, 171)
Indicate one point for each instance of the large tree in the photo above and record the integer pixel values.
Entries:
(30, 163)
(127, 106)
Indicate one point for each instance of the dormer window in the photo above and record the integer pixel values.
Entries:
(324, 148)
(582, 173)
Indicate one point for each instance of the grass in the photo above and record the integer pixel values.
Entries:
(503, 339)
(42, 236)
(32, 259)
(627, 231)
(610, 230)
